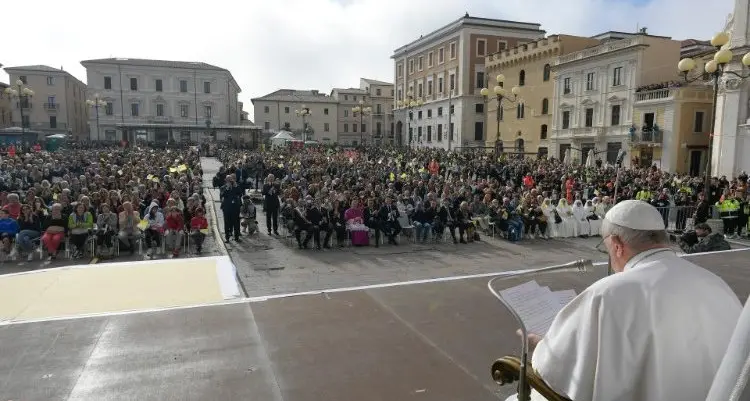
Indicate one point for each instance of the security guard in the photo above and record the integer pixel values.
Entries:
(643, 195)
(729, 209)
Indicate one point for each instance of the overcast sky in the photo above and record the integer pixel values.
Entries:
(305, 44)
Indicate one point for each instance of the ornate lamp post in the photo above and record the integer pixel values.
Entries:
(501, 94)
(96, 102)
(24, 94)
(303, 112)
(409, 104)
(362, 111)
(716, 69)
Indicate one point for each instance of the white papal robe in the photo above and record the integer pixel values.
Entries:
(655, 332)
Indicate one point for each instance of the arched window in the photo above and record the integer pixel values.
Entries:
(519, 145)
(543, 132)
(545, 106)
(520, 110)
(546, 73)
(522, 78)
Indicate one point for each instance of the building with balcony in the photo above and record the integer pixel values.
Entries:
(592, 106)
(381, 96)
(353, 128)
(58, 105)
(671, 128)
(6, 112)
(523, 126)
(279, 110)
(162, 101)
(445, 70)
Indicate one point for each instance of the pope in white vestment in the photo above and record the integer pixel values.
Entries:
(655, 331)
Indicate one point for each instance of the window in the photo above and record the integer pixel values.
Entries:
(207, 111)
(109, 109)
(107, 82)
(346, 97)
(419, 63)
(133, 84)
(502, 45)
(325, 111)
(159, 87)
(565, 119)
(206, 87)
(184, 112)
(481, 47)
(50, 81)
(25, 121)
(23, 79)
(429, 113)
(589, 117)
(134, 109)
(183, 86)
(400, 70)
(543, 132)
(439, 111)
(480, 80)
(545, 106)
(440, 132)
(266, 109)
(419, 89)
(354, 127)
(267, 125)
(378, 92)
(50, 102)
(617, 76)
(520, 110)
(346, 113)
(346, 127)
(452, 82)
(419, 114)
(479, 108)
(698, 122)
(326, 127)
(478, 131)
(450, 131)
(429, 133)
(566, 86)
(429, 60)
(590, 81)
(286, 110)
(363, 128)
(453, 50)
(522, 78)
(378, 128)
(440, 85)
(441, 55)
(615, 116)
(546, 72)
(160, 110)
(452, 109)
(53, 121)
(411, 69)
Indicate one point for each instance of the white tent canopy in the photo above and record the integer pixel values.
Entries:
(281, 138)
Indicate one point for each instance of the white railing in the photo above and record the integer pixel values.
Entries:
(599, 50)
(656, 94)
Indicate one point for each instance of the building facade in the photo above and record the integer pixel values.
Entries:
(671, 127)
(161, 101)
(6, 112)
(523, 123)
(280, 110)
(592, 106)
(58, 105)
(445, 71)
(381, 96)
(353, 128)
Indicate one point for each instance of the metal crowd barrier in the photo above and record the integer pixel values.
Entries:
(679, 218)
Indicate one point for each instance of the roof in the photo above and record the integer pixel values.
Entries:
(295, 96)
(37, 68)
(695, 48)
(622, 35)
(376, 82)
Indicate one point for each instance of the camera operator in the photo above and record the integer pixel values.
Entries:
(702, 240)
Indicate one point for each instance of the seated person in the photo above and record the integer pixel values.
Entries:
(55, 227)
(248, 215)
(197, 225)
(128, 223)
(29, 230)
(106, 223)
(702, 240)
(155, 228)
(631, 335)
(8, 231)
(173, 228)
(80, 222)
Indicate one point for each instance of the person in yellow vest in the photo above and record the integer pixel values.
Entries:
(643, 195)
(729, 209)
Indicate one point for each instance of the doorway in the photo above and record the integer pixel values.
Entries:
(695, 162)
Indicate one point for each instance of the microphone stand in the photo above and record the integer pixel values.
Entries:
(579, 266)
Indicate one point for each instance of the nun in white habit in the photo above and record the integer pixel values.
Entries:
(549, 213)
(579, 214)
(655, 330)
(595, 222)
(568, 227)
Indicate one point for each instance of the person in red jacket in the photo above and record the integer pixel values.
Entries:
(197, 225)
(173, 228)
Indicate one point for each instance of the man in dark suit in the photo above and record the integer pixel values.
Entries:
(388, 216)
(271, 203)
(231, 201)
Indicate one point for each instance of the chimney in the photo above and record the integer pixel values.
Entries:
(643, 31)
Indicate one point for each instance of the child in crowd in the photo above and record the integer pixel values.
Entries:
(247, 216)
(197, 224)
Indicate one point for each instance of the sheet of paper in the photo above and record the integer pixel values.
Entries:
(537, 306)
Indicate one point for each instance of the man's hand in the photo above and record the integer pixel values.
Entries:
(532, 338)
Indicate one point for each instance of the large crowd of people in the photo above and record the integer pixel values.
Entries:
(100, 201)
(372, 195)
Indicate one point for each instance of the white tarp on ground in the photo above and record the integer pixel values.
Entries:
(112, 288)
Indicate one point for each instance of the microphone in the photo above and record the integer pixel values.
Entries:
(578, 266)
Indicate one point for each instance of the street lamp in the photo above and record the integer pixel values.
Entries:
(96, 102)
(362, 111)
(24, 94)
(501, 94)
(303, 112)
(715, 68)
(409, 104)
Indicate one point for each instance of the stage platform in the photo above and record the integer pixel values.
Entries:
(430, 340)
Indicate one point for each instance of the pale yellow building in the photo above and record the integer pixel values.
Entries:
(279, 110)
(524, 124)
(381, 105)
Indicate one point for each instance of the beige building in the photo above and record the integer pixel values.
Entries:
(58, 105)
(6, 115)
(592, 107)
(280, 110)
(381, 116)
(524, 123)
(445, 70)
(353, 128)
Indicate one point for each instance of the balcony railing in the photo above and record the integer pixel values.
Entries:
(599, 50)
(51, 106)
(658, 94)
(23, 105)
(646, 136)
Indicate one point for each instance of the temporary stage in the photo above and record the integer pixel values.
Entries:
(79, 336)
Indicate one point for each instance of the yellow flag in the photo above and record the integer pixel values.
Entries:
(172, 170)
(182, 168)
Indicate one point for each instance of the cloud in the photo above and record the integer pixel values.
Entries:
(308, 44)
